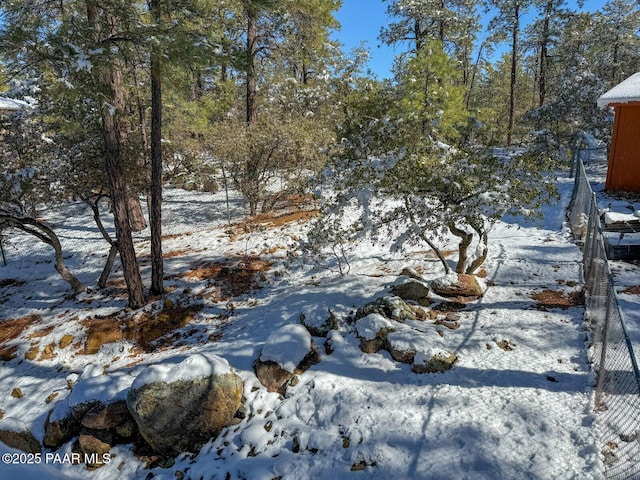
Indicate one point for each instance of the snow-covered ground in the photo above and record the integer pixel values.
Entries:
(518, 404)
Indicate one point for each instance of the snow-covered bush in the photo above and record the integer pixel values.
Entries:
(415, 198)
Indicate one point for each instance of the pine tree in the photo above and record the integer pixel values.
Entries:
(508, 19)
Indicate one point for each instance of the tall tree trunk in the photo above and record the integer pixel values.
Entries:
(614, 64)
(417, 32)
(473, 76)
(155, 213)
(114, 130)
(514, 66)
(544, 48)
(252, 53)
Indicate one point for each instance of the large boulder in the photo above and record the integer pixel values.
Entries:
(179, 406)
(288, 351)
(459, 285)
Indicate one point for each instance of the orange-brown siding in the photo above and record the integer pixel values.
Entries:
(623, 172)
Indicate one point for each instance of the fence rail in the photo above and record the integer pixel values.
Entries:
(617, 397)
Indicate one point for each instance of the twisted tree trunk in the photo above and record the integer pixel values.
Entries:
(38, 229)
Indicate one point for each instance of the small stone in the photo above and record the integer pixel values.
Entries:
(358, 467)
(32, 353)
(65, 341)
(17, 393)
(391, 307)
(506, 345)
(268, 426)
(51, 397)
(346, 442)
(319, 326)
(628, 438)
(95, 448)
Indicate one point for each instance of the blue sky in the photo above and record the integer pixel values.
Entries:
(363, 24)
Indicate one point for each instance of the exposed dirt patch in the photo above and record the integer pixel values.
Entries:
(270, 220)
(633, 290)
(180, 253)
(10, 329)
(143, 329)
(234, 279)
(41, 333)
(547, 299)
(101, 331)
(176, 235)
(147, 327)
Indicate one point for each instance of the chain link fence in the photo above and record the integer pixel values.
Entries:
(617, 397)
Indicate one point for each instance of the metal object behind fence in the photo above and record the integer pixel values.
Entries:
(617, 397)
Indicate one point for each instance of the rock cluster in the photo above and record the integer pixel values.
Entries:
(388, 323)
(170, 408)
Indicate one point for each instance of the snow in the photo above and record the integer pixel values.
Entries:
(193, 367)
(287, 347)
(626, 91)
(11, 104)
(523, 413)
(611, 218)
(368, 327)
(93, 384)
(9, 424)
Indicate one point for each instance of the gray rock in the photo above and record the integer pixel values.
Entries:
(319, 326)
(411, 290)
(389, 306)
